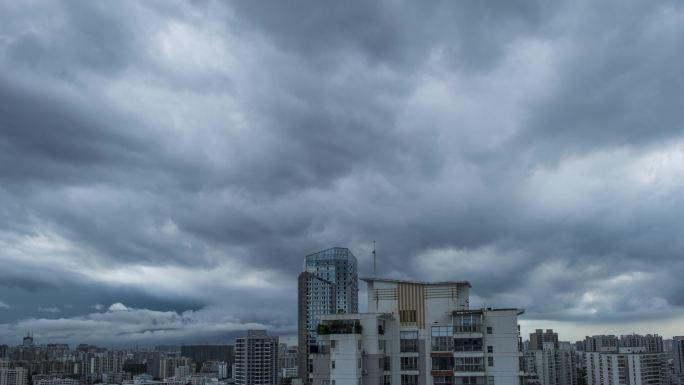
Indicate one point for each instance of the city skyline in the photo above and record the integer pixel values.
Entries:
(165, 167)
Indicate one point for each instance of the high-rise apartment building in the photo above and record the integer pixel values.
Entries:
(256, 359)
(627, 366)
(418, 333)
(13, 376)
(328, 285)
(288, 362)
(223, 370)
(678, 360)
(202, 353)
(601, 343)
(653, 343)
(554, 363)
(539, 337)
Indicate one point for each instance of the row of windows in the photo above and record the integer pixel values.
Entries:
(412, 379)
(447, 344)
(460, 326)
(448, 380)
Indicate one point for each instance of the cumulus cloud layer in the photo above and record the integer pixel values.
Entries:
(127, 326)
(184, 157)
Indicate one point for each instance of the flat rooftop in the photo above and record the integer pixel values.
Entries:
(368, 279)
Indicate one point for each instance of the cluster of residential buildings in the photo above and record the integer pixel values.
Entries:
(413, 333)
(603, 360)
(255, 358)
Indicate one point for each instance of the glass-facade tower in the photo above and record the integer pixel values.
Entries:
(329, 284)
(337, 265)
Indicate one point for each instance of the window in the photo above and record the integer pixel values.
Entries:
(442, 380)
(490, 349)
(467, 344)
(387, 380)
(381, 346)
(468, 323)
(490, 361)
(442, 338)
(442, 331)
(408, 342)
(332, 364)
(358, 345)
(442, 363)
(409, 363)
(468, 364)
(490, 380)
(332, 344)
(358, 363)
(409, 379)
(469, 380)
(442, 344)
(489, 330)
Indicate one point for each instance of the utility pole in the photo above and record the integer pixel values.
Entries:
(375, 274)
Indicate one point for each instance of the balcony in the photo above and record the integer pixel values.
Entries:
(339, 327)
(460, 329)
(319, 349)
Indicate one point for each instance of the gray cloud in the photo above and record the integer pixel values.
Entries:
(183, 157)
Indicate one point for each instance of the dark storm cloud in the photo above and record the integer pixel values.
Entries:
(390, 35)
(185, 157)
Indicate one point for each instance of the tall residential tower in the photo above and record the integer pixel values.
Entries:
(256, 359)
(329, 284)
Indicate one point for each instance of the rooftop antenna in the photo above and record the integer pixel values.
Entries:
(375, 274)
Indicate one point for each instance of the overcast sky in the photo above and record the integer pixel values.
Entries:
(166, 166)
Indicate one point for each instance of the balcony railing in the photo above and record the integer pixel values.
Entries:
(339, 327)
(469, 368)
(319, 349)
(468, 328)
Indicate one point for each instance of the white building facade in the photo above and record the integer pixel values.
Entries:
(628, 366)
(419, 333)
(13, 376)
(554, 364)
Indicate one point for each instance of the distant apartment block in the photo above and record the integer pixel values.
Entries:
(203, 353)
(601, 343)
(13, 376)
(256, 359)
(539, 337)
(678, 360)
(627, 366)
(652, 343)
(549, 361)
